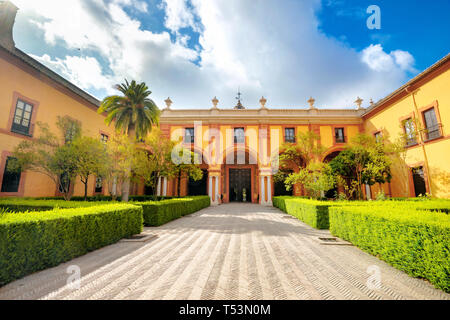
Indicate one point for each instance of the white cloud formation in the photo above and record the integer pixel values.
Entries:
(262, 46)
(378, 60)
(84, 72)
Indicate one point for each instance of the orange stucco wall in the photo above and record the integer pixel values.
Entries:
(51, 103)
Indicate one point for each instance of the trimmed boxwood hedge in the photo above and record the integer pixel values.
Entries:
(315, 212)
(157, 213)
(415, 241)
(312, 212)
(21, 205)
(32, 241)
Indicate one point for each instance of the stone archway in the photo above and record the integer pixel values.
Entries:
(239, 175)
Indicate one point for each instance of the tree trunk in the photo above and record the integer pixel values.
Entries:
(179, 184)
(114, 189)
(126, 190)
(85, 189)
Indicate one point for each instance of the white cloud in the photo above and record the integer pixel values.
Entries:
(84, 72)
(262, 46)
(377, 59)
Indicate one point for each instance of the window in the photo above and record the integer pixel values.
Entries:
(71, 132)
(410, 132)
(378, 136)
(431, 124)
(11, 177)
(22, 118)
(339, 135)
(189, 135)
(99, 185)
(289, 135)
(239, 135)
(104, 138)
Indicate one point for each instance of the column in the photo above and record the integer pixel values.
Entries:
(262, 197)
(165, 187)
(269, 190)
(210, 188)
(217, 191)
(158, 188)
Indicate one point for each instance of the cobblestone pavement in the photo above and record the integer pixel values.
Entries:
(234, 251)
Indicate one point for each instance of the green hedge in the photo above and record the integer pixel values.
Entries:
(315, 213)
(32, 241)
(20, 205)
(96, 198)
(417, 242)
(312, 212)
(157, 213)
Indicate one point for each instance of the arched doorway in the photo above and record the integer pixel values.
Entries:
(239, 176)
(278, 183)
(333, 192)
(200, 187)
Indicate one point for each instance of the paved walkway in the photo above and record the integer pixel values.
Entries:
(233, 251)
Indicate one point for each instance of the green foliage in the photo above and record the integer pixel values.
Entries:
(312, 212)
(20, 205)
(414, 241)
(133, 112)
(161, 212)
(366, 161)
(51, 155)
(32, 241)
(90, 157)
(317, 178)
(185, 163)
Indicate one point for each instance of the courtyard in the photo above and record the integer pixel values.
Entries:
(233, 251)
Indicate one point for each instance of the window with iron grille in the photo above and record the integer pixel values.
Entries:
(378, 136)
(11, 178)
(189, 135)
(431, 124)
(339, 134)
(71, 131)
(410, 132)
(289, 135)
(104, 138)
(239, 135)
(22, 118)
(99, 185)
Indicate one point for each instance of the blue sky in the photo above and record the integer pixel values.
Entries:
(193, 50)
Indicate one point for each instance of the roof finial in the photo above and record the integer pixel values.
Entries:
(359, 102)
(215, 102)
(263, 102)
(239, 105)
(311, 102)
(168, 103)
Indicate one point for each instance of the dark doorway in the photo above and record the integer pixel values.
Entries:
(279, 186)
(419, 181)
(240, 185)
(150, 190)
(198, 188)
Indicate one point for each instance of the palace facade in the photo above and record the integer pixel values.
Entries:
(236, 145)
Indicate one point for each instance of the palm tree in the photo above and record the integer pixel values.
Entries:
(133, 114)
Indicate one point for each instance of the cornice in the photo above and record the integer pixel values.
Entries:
(259, 116)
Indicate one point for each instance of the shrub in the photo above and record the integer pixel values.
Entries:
(157, 213)
(32, 241)
(312, 212)
(20, 205)
(414, 241)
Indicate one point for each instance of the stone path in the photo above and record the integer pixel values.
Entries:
(235, 251)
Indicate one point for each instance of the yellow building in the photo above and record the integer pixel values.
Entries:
(236, 145)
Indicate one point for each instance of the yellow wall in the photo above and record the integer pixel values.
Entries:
(437, 152)
(52, 103)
